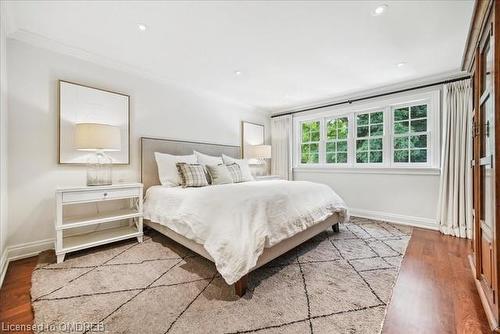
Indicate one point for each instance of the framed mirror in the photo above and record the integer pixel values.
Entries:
(80, 104)
(251, 134)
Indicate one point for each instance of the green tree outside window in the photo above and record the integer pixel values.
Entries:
(410, 134)
(309, 147)
(369, 133)
(336, 137)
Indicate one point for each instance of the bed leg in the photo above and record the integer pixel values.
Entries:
(240, 287)
(336, 228)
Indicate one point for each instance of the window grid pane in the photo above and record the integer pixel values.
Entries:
(309, 148)
(369, 133)
(336, 145)
(410, 142)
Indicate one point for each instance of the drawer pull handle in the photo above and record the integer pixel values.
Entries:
(105, 194)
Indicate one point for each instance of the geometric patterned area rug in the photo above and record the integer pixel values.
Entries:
(333, 283)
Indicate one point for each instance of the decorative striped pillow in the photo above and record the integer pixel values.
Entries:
(219, 174)
(192, 175)
(235, 172)
(243, 163)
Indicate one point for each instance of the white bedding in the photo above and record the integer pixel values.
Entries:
(234, 222)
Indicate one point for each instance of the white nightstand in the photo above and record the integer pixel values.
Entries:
(268, 177)
(67, 240)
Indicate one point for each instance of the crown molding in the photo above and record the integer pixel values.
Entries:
(378, 90)
(44, 42)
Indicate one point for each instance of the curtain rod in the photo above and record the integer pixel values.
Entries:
(371, 96)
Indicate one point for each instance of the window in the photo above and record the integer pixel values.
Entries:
(410, 134)
(399, 132)
(309, 147)
(369, 137)
(336, 140)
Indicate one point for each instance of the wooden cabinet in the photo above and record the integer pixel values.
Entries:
(482, 60)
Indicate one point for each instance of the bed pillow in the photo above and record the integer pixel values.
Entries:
(219, 174)
(235, 172)
(192, 175)
(167, 169)
(205, 159)
(245, 168)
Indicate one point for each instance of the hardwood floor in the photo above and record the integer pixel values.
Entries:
(15, 301)
(435, 292)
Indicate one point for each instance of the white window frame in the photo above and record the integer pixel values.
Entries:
(320, 146)
(387, 105)
(383, 137)
(348, 139)
(428, 163)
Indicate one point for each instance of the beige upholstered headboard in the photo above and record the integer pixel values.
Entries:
(149, 170)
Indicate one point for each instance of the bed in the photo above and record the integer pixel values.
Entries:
(239, 227)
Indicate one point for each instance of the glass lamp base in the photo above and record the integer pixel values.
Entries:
(99, 170)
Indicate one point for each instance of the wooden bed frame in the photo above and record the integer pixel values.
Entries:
(149, 177)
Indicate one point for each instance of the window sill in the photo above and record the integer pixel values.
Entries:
(373, 170)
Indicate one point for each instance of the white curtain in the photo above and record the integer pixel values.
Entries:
(281, 146)
(455, 190)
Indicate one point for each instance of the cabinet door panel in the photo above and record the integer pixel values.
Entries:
(487, 265)
(484, 171)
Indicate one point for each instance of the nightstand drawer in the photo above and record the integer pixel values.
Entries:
(99, 195)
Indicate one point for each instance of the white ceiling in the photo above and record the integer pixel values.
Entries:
(289, 52)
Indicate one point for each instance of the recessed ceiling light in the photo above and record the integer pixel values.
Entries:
(380, 10)
(142, 27)
(401, 64)
(237, 73)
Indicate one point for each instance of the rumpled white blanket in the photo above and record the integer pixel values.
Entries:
(235, 222)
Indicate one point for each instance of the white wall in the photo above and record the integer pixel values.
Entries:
(156, 110)
(401, 198)
(3, 141)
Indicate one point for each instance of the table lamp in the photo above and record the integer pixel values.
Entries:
(98, 138)
(259, 152)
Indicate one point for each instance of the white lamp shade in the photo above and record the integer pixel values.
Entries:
(258, 152)
(95, 136)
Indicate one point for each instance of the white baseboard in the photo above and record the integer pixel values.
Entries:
(4, 263)
(21, 251)
(28, 249)
(396, 218)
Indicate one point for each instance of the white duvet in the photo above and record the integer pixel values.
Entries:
(235, 222)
